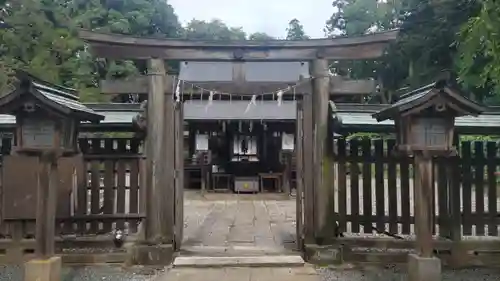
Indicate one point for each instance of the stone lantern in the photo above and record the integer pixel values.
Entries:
(425, 123)
(47, 121)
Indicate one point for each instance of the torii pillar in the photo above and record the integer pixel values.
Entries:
(157, 240)
(323, 171)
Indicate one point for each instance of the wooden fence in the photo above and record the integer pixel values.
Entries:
(374, 194)
(109, 200)
(374, 197)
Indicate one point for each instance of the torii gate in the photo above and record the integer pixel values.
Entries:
(163, 228)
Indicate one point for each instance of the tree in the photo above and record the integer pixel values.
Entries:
(36, 39)
(40, 37)
(426, 44)
(150, 18)
(358, 17)
(479, 53)
(260, 36)
(212, 30)
(295, 31)
(429, 36)
(352, 17)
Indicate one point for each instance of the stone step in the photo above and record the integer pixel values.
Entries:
(302, 273)
(243, 261)
(216, 251)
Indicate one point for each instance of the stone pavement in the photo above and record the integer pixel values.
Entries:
(232, 221)
(305, 273)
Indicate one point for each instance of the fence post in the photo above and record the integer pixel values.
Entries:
(443, 176)
(455, 222)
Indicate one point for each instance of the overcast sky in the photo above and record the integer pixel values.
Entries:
(269, 16)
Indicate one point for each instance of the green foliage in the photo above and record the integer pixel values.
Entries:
(479, 60)
(260, 36)
(295, 31)
(212, 30)
(479, 138)
(40, 37)
(355, 17)
(358, 17)
(37, 40)
(429, 36)
(426, 44)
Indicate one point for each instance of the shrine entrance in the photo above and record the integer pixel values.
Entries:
(163, 191)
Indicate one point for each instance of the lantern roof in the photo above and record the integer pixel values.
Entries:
(64, 101)
(420, 99)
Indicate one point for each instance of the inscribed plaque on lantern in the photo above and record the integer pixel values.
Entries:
(429, 132)
(38, 133)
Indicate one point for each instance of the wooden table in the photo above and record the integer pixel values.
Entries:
(276, 177)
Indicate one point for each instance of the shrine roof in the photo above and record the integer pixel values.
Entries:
(355, 117)
(61, 99)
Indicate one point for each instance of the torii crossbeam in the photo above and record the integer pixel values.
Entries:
(115, 46)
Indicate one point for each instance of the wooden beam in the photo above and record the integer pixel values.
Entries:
(139, 85)
(354, 52)
(116, 46)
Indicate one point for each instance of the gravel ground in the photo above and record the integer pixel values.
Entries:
(11, 273)
(87, 273)
(400, 274)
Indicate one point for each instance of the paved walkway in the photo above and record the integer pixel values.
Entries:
(306, 273)
(232, 221)
(234, 225)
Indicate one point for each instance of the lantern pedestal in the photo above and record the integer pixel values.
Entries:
(423, 269)
(43, 269)
(424, 189)
(424, 266)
